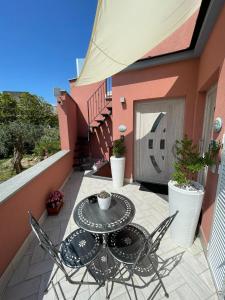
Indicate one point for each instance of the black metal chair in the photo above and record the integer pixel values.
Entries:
(78, 250)
(136, 248)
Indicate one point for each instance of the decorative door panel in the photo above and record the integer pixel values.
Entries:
(158, 125)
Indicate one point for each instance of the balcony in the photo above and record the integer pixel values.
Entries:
(189, 277)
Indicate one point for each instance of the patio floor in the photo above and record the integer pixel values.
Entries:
(189, 280)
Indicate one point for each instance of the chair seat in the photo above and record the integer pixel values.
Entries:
(125, 244)
(104, 266)
(79, 248)
(144, 267)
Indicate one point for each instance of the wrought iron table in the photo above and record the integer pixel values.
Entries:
(90, 217)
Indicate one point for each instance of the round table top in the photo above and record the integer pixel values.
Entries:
(91, 218)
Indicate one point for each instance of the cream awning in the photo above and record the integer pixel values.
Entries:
(125, 30)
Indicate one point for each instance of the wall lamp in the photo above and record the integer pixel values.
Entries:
(57, 94)
(217, 124)
(122, 128)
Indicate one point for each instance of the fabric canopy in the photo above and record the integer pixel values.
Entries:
(125, 30)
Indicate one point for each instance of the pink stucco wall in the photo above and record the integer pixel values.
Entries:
(14, 226)
(167, 81)
(100, 138)
(178, 40)
(212, 71)
(81, 95)
(189, 79)
(68, 125)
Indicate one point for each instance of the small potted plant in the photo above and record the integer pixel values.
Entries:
(214, 149)
(117, 162)
(185, 194)
(104, 200)
(54, 202)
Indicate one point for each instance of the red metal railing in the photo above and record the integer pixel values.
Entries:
(98, 101)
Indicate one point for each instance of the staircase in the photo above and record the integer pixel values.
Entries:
(99, 105)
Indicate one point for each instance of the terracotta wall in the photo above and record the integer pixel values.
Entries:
(81, 95)
(68, 122)
(14, 226)
(167, 81)
(212, 71)
(190, 79)
(101, 138)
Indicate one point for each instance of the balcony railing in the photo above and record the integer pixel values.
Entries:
(98, 100)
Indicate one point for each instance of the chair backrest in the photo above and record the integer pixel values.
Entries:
(44, 242)
(152, 243)
(157, 235)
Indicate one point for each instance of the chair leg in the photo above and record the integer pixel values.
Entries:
(160, 279)
(107, 290)
(135, 294)
(50, 281)
(78, 288)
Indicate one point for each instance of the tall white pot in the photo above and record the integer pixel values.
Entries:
(117, 169)
(189, 204)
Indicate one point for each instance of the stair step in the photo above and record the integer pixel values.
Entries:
(106, 112)
(100, 118)
(109, 105)
(94, 124)
(108, 97)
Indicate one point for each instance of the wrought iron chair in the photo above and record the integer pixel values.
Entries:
(136, 249)
(78, 250)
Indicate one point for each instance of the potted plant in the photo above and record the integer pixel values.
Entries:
(185, 194)
(214, 149)
(54, 202)
(117, 162)
(104, 200)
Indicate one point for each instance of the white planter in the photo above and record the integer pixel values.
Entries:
(189, 204)
(104, 203)
(117, 169)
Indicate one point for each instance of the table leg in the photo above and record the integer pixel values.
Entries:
(104, 236)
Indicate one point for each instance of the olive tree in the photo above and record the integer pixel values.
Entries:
(15, 135)
(22, 122)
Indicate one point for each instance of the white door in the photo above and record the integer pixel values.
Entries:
(207, 129)
(158, 125)
(216, 249)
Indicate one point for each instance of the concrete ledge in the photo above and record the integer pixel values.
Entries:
(14, 184)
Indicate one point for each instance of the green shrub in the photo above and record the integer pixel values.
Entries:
(118, 148)
(190, 161)
(48, 143)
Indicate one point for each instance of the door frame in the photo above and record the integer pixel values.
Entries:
(207, 129)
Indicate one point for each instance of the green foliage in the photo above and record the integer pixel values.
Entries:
(118, 148)
(8, 107)
(189, 161)
(23, 120)
(34, 110)
(48, 143)
(14, 135)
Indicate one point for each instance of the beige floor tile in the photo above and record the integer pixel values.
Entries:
(189, 280)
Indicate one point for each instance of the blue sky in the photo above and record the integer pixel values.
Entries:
(39, 42)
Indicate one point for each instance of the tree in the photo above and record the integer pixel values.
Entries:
(33, 109)
(8, 107)
(48, 143)
(14, 136)
(22, 123)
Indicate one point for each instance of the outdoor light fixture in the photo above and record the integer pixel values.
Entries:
(122, 128)
(217, 124)
(57, 94)
(122, 99)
